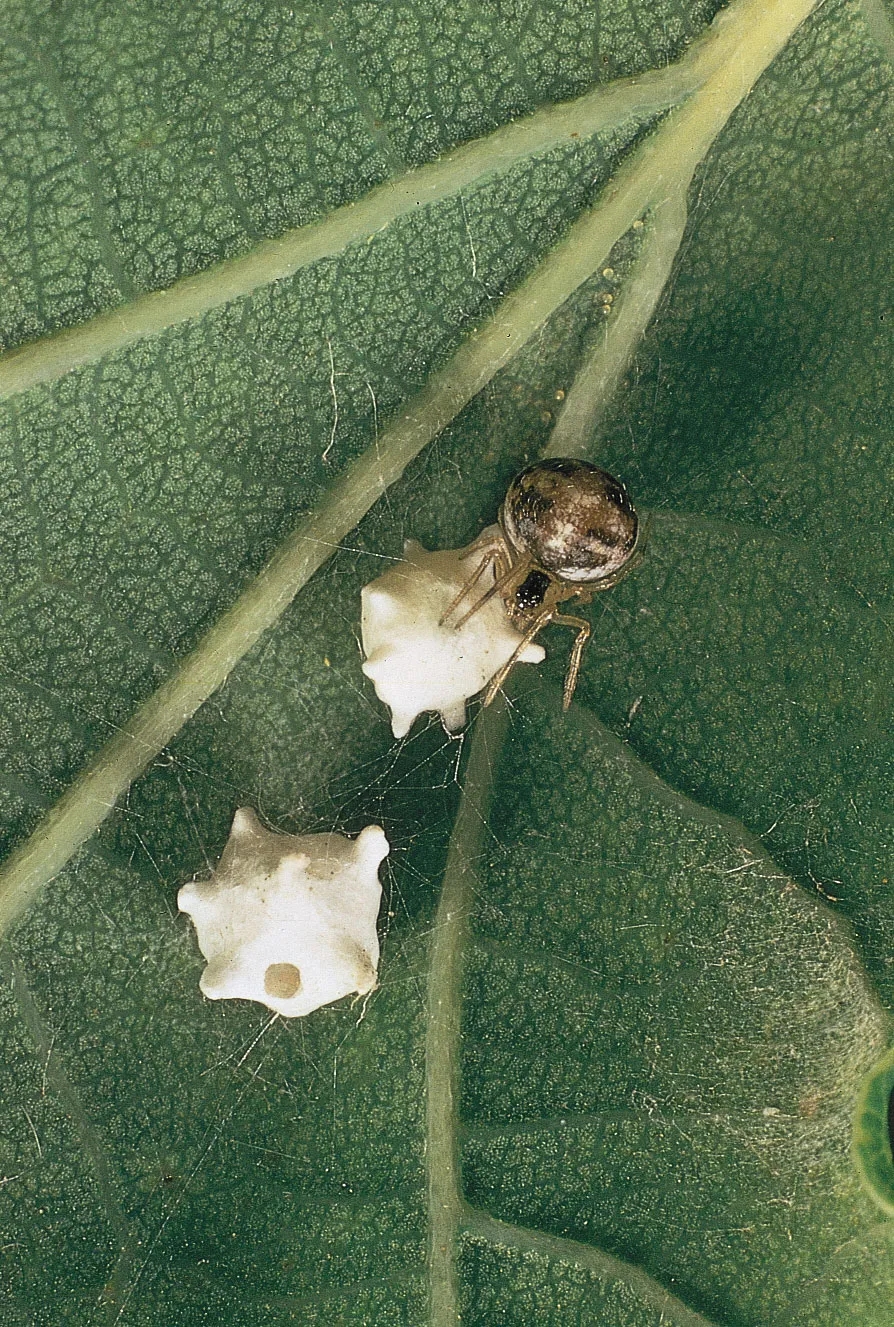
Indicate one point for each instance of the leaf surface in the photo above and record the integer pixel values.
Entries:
(636, 959)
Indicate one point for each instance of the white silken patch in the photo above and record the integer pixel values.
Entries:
(289, 920)
(415, 663)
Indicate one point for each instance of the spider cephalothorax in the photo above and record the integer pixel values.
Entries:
(566, 530)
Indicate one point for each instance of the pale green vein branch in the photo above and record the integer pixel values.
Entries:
(67, 1097)
(722, 65)
(597, 380)
(608, 1268)
(442, 1041)
(743, 44)
(102, 230)
(274, 260)
(880, 26)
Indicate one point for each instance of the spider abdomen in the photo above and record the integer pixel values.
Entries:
(571, 518)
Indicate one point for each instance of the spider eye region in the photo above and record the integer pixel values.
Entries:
(573, 519)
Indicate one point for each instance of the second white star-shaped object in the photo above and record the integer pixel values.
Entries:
(289, 920)
(415, 662)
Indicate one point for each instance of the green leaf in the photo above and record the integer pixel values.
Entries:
(299, 284)
(872, 1133)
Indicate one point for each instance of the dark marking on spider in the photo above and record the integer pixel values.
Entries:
(532, 592)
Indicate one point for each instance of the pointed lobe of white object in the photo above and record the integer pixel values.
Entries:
(288, 920)
(414, 663)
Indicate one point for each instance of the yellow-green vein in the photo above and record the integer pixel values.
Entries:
(442, 1041)
(723, 64)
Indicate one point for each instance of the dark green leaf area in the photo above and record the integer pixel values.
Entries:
(514, 1287)
(47, 1168)
(762, 392)
(762, 686)
(144, 493)
(759, 684)
(663, 1036)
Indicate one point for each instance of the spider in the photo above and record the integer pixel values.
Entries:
(566, 530)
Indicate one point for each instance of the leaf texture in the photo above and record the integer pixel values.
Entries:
(636, 959)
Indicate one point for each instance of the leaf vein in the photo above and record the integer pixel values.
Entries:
(56, 1077)
(274, 260)
(606, 1266)
(101, 226)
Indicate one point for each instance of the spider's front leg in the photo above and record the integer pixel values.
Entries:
(584, 631)
(491, 555)
(492, 547)
(493, 686)
(507, 572)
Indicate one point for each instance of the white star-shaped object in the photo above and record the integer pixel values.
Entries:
(415, 663)
(287, 920)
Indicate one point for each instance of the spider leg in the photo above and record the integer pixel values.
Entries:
(485, 543)
(583, 635)
(487, 560)
(515, 569)
(499, 678)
